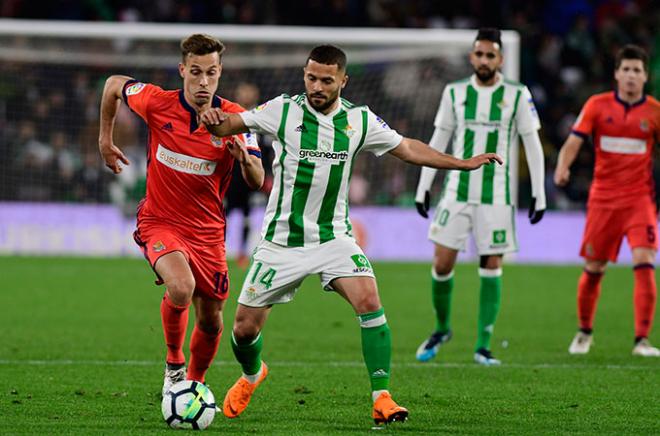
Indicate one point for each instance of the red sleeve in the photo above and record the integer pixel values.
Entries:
(584, 124)
(138, 97)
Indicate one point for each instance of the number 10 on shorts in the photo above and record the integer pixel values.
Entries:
(265, 279)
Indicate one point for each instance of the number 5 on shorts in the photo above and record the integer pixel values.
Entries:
(266, 278)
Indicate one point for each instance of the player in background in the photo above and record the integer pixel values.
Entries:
(624, 125)
(306, 227)
(239, 195)
(482, 113)
(181, 221)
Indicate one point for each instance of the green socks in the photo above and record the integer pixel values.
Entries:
(441, 287)
(376, 348)
(489, 305)
(248, 354)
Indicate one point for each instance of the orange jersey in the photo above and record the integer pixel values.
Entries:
(623, 136)
(188, 169)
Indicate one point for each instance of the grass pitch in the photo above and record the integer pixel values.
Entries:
(82, 353)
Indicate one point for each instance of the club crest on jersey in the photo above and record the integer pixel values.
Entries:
(159, 246)
(135, 88)
(501, 104)
(216, 141)
(349, 130)
(261, 107)
(644, 125)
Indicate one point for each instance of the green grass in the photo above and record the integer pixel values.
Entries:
(82, 352)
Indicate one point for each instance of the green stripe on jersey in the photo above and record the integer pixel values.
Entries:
(329, 203)
(280, 135)
(365, 127)
(468, 143)
(491, 146)
(304, 175)
(508, 145)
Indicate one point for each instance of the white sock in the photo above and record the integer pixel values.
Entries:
(254, 377)
(376, 394)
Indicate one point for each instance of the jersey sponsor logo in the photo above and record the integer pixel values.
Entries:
(135, 88)
(617, 144)
(323, 156)
(183, 163)
(159, 246)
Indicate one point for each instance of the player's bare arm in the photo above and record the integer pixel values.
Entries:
(567, 155)
(251, 167)
(222, 124)
(110, 102)
(416, 152)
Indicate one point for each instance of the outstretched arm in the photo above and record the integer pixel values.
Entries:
(110, 102)
(567, 155)
(222, 124)
(416, 152)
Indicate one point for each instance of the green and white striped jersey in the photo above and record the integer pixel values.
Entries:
(314, 156)
(484, 120)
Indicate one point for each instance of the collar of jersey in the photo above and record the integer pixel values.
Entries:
(321, 114)
(626, 104)
(217, 102)
(498, 82)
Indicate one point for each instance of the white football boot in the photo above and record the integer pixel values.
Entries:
(644, 348)
(581, 343)
(173, 376)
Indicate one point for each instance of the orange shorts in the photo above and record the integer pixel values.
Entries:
(207, 262)
(605, 229)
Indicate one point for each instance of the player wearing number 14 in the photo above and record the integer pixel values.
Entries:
(306, 227)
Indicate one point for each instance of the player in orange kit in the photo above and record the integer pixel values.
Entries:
(181, 220)
(625, 125)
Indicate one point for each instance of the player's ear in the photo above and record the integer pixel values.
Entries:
(181, 69)
(344, 81)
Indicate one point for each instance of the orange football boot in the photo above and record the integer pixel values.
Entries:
(238, 396)
(387, 411)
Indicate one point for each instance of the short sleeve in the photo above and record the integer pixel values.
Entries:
(138, 96)
(446, 117)
(266, 117)
(527, 117)
(584, 124)
(380, 138)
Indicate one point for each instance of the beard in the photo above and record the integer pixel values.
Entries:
(323, 106)
(485, 74)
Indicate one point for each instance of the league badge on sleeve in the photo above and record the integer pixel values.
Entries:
(135, 88)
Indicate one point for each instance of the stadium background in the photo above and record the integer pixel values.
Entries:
(82, 347)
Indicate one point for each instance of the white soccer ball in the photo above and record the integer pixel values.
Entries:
(188, 404)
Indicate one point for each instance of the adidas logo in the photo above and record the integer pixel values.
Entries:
(609, 120)
(167, 127)
(379, 373)
(301, 128)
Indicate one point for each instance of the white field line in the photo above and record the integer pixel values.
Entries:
(340, 364)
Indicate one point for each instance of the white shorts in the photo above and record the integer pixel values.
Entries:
(277, 271)
(493, 227)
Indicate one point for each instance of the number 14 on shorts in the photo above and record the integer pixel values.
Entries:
(264, 277)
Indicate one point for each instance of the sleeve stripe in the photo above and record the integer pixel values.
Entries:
(580, 134)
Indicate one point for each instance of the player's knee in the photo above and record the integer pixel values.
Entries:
(180, 289)
(245, 329)
(643, 256)
(210, 325)
(442, 267)
(595, 266)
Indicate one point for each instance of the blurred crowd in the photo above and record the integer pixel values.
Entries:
(566, 55)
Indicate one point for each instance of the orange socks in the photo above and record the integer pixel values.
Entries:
(644, 297)
(587, 297)
(203, 348)
(175, 321)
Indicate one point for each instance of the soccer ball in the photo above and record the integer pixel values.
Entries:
(188, 404)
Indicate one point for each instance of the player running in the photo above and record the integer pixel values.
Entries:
(624, 125)
(181, 220)
(484, 112)
(306, 227)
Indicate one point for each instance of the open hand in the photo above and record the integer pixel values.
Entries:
(481, 159)
(112, 155)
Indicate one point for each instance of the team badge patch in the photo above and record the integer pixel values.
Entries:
(349, 131)
(644, 125)
(135, 88)
(361, 263)
(216, 141)
(499, 237)
(159, 246)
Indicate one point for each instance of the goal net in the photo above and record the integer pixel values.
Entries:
(52, 74)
